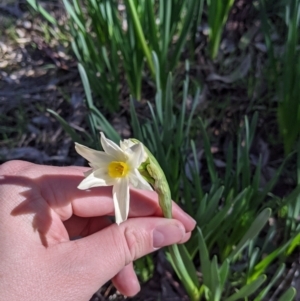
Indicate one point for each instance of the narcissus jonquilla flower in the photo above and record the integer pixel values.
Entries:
(116, 166)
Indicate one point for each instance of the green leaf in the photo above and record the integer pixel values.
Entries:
(204, 260)
(253, 257)
(71, 132)
(215, 279)
(224, 271)
(275, 277)
(270, 185)
(189, 265)
(73, 14)
(248, 289)
(188, 22)
(153, 33)
(289, 295)
(208, 154)
(294, 243)
(253, 231)
(212, 206)
(158, 95)
(264, 263)
(192, 112)
(136, 126)
(106, 126)
(86, 86)
(42, 11)
(140, 34)
(182, 273)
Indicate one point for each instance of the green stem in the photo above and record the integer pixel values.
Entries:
(214, 43)
(154, 175)
(184, 276)
(141, 36)
(182, 272)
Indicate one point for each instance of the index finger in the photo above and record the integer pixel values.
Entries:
(98, 201)
(142, 204)
(58, 187)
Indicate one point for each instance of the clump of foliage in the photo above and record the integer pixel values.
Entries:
(237, 214)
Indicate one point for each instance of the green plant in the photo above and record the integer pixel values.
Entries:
(230, 225)
(217, 13)
(232, 209)
(289, 106)
(109, 41)
(285, 67)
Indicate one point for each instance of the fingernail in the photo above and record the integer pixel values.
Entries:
(167, 234)
(189, 218)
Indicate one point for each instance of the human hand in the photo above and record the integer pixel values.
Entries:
(41, 210)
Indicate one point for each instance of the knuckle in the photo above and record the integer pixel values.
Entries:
(134, 241)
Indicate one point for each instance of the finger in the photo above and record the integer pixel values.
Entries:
(59, 187)
(142, 203)
(98, 201)
(126, 281)
(115, 247)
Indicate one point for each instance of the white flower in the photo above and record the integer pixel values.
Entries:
(117, 167)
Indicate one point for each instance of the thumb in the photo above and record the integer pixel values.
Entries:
(103, 254)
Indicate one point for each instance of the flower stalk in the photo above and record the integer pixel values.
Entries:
(154, 175)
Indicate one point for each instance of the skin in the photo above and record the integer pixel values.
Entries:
(41, 210)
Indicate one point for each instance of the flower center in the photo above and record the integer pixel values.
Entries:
(118, 169)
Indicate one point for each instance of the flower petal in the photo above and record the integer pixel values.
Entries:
(121, 199)
(126, 143)
(91, 181)
(138, 181)
(136, 156)
(95, 178)
(96, 158)
(112, 149)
